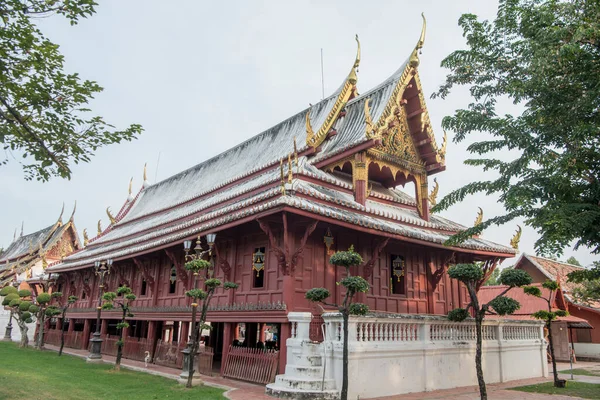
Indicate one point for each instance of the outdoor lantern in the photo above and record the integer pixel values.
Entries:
(258, 261)
(210, 239)
(398, 267)
(187, 245)
(97, 264)
(198, 248)
(109, 262)
(328, 239)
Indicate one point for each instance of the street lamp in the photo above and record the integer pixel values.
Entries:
(192, 346)
(8, 331)
(101, 268)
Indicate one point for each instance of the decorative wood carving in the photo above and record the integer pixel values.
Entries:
(86, 286)
(145, 270)
(182, 274)
(122, 277)
(287, 260)
(367, 267)
(223, 263)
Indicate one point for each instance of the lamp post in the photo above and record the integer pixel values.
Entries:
(101, 268)
(189, 353)
(9, 327)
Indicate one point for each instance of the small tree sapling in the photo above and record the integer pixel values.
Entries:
(112, 300)
(60, 308)
(19, 301)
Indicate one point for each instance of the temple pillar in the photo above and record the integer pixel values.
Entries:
(185, 332)
(71, 325)
(251, 334)
(284, 335)
(228, 337)
(104, 327)
(289, 291)
(360, 177)
(261, 328)
(87, 325)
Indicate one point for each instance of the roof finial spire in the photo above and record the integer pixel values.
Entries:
(479, 218)
(99, 227)
(146, 183)
(295, 154)
(110, 216)
(414, 57)
(15, 235)
(73, 213)
(282, 177)
(514, 241)
(352, 77)
(289, 179)
(22, 224)
(130, 196)
(61, 213)
(86, 240)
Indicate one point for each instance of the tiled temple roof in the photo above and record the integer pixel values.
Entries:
(242, 183)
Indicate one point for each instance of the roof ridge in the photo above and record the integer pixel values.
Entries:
(555, 261)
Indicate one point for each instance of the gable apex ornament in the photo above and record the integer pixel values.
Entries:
(414, 57)
(130, 195)
(434, 193)
(86, 240)
(479, 218)
(110, 216)
(145, 183)
(514, 241)
(99, 227)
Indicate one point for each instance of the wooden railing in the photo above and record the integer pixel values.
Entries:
(204, 360)
(109, 345)
(74, 339)
(250, 364)
(169, 354)
(52, 337)
(136, 348)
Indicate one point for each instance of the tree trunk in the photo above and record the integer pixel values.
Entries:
(62, 331)
(193, 349)
(344, 392)
(23, 328)
(480, 381)
(554, 371)
(39, 344)
(120, 344)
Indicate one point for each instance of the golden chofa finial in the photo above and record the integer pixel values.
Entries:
(130, 195)
(99, 227)
(110, 216)
(514, 242)
(434, 193)
(145, 183)
(282, 177)
(295, 153)
(353, 77)
(370, 129)
(479, 218)
(414, 57)
(86, 240)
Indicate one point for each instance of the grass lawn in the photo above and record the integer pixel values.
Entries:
(31, 374)
(576, 389)
(580, 371)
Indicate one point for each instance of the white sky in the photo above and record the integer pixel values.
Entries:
(204, 76)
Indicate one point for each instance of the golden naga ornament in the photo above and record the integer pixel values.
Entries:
(282, 177)
(479, 218)
(434, 193)
(99, 227)
(289, 178)
(514, 242)
(442, 151)
(86, 240)
(295, 153)
(414, 57)
(310, 133)
(110, 216)
(370, 129)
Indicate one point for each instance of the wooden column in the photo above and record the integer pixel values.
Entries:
(185, 332)
(71, 325)
(262, 326)
(87, 325)
(284, 334)
(360, 177)
(103, 327)
(228, 328)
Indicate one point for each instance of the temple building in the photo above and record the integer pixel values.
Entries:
(28, 256)
(280, 204)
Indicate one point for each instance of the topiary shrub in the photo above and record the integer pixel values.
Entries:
(24, 306)
(458, 315)
(504, 305)
(358, 309)
(5, 291)
(33, 309)
(197, 265)
(24, 293)
(14, 302)
(43, 298)
(346, 259)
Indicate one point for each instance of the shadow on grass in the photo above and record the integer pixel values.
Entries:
(29, 374)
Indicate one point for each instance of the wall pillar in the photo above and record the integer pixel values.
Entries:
(360, 177)
(184, 337)
(103, 327)
(228, 337)
(284, 335)
(87, 325)
(71, 325)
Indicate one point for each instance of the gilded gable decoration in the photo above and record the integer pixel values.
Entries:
(514, 242)
(434, 193)
(479, 218)
(99, 227)
(110, 216)
(86, 240)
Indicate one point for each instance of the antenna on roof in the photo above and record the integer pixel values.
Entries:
(322, 77)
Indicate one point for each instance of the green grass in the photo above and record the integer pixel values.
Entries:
(576, 389)
(31, 374)
(580, 371)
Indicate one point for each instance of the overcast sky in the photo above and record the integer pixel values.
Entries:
(202, 76)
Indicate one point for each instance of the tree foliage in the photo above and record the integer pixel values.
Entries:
(573, 261)
(44, 114)
(543, 56)
(121, 299)
(588, 290)
(22, 309)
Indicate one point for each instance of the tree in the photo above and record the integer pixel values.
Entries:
(493, 280)
(211, 284)
(573, 261)
(23, 310)
(110, 301)
(43, 109)
(588, 290)
(472, 275)
(543, 56)
(60, 309)
(42, 301)
(353, 285)
(548, 316)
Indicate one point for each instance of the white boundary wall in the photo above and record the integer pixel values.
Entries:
(392, 354)
(591, 350)
(16, 332)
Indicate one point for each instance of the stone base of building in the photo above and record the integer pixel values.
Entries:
(398, 354)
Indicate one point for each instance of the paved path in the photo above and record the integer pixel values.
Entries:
(238, 390)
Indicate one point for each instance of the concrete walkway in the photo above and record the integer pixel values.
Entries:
(238, 390)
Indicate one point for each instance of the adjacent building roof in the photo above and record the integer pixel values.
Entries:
(245, 182)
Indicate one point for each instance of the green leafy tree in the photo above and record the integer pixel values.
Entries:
(60, 308)
(588, 290)
(547, 315)
(43, 108)
(544, 57)
(23, 310)
(472, 275)
(353, 285)
(42, 301)
(205, 295)
(122, 299)
(573, 261)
